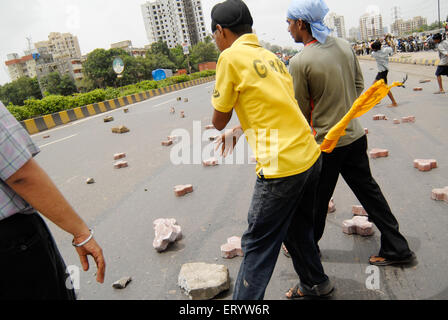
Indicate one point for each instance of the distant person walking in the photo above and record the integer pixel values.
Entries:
(31, 266)
(327, 81)
(442, 68)
(381, 56)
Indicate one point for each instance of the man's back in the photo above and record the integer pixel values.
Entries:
(327, 81)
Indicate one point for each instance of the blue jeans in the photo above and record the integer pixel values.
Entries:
(282, 210)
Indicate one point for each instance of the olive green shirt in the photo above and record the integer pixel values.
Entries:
(327, 81)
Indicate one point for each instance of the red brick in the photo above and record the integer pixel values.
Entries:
(418, 89)
(119, 156)
(379, 153)
(408, 119)
(397, 121)
(232, 248)
(210, 162)
(166, 231)
(358, 225)
(167, 143)
(358, 210)
(425, 164)
(182, 114)
(46, 137)
(120, 164)
(379, 117)
(440, 194)
(182, 190)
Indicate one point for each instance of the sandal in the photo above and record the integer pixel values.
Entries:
(381, 261)
(285, 251)
(300, 291)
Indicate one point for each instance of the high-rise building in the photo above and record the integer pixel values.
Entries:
(401, 27)
(20, 66)
(354, 34)
(336, 24)
(61, 45)
(175, 22)
(371, 25)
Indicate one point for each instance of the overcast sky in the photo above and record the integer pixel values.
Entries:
(98, 23)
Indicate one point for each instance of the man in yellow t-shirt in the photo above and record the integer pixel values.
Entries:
(256, 84)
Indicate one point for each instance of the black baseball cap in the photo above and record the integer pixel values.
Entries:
(231, 13)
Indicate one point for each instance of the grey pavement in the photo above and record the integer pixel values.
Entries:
(122, 204)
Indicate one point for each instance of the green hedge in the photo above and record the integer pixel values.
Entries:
(54, 103)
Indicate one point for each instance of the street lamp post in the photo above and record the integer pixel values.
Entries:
(440, 25)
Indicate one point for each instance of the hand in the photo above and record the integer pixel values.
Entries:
(92, 248)
(229, 139)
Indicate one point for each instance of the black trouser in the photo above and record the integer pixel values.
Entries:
(352, 163)
(31, 266)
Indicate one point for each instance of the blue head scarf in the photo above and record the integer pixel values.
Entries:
(313, 12)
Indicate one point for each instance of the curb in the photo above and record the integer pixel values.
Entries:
(51, 121)
(421, 61)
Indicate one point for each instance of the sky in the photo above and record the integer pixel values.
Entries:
(98, 23)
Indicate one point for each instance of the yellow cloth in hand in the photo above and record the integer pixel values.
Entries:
(362, 105)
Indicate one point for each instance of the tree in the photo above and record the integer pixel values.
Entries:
(18, 91)
(178, 57)
(203, 52)
(54, 84)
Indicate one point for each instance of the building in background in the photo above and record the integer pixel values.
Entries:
(174, 22)
(61, 45)
(400, 27)
(127, 46)
(371, 24)
(336, 24)
(354, 34)
(20, 66)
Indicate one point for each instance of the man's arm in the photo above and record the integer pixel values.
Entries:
(33, 184)
(221, 119)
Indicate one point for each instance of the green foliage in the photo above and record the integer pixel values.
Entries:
(54, 84)
(203, 52)
(18, 91)
(20, 113)
(91, 97)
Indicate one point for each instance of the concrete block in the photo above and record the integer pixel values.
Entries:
(358, 210)
(379, 117)
(358, 225)
(331, 206)
(425, 164)
(378, 153)
(210, 162)
(119, 156)
(108, 119)
(120, 164)
(120, 129)
(182, 190)
(232, 248)
(440, 194)
(202, 281)
(122, 283)
(166, 231)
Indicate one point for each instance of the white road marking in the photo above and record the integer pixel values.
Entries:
(60, 140)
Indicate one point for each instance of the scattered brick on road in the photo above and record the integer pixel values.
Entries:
(331, 206)
(90, 181)
(186, 100)
(408, 119)
(119, 156)
(366, 130)
(358, 225)
(378, 153)
(379, 117)
(173, 138)
(210, 162)
(209, 127)
(167, 143)
(120, 164)
(440, 194)
(397, 121)
(126, 110)
(108, 119)
(179, 99)
(182, 190)
(425, 164)
(120, 129)
(182, 114)
(232, 248)
(46, 137)
(418, 89)
(166, 231)
(122, 283)
(424, 81)
(358, 210)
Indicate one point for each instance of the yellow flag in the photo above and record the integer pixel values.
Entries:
(362, 105)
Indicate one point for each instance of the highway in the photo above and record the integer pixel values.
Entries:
(123, 203)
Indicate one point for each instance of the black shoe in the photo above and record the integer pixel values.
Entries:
(381, 261)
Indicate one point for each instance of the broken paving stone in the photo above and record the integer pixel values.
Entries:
(440, 194)
(126, 110)
(122, 283)
(379, 153)
(119, 156)
(210, 162)
(108, 119)
(379, 117)
(202, 281)
(167, 143)
(358, 210)
(425, 164)
(182, 190)
(121, 164)
(232, 248)
(120, 129)
(90, 181)
(166, 231)
(331, 206)
(358, 225)
(408, 119)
